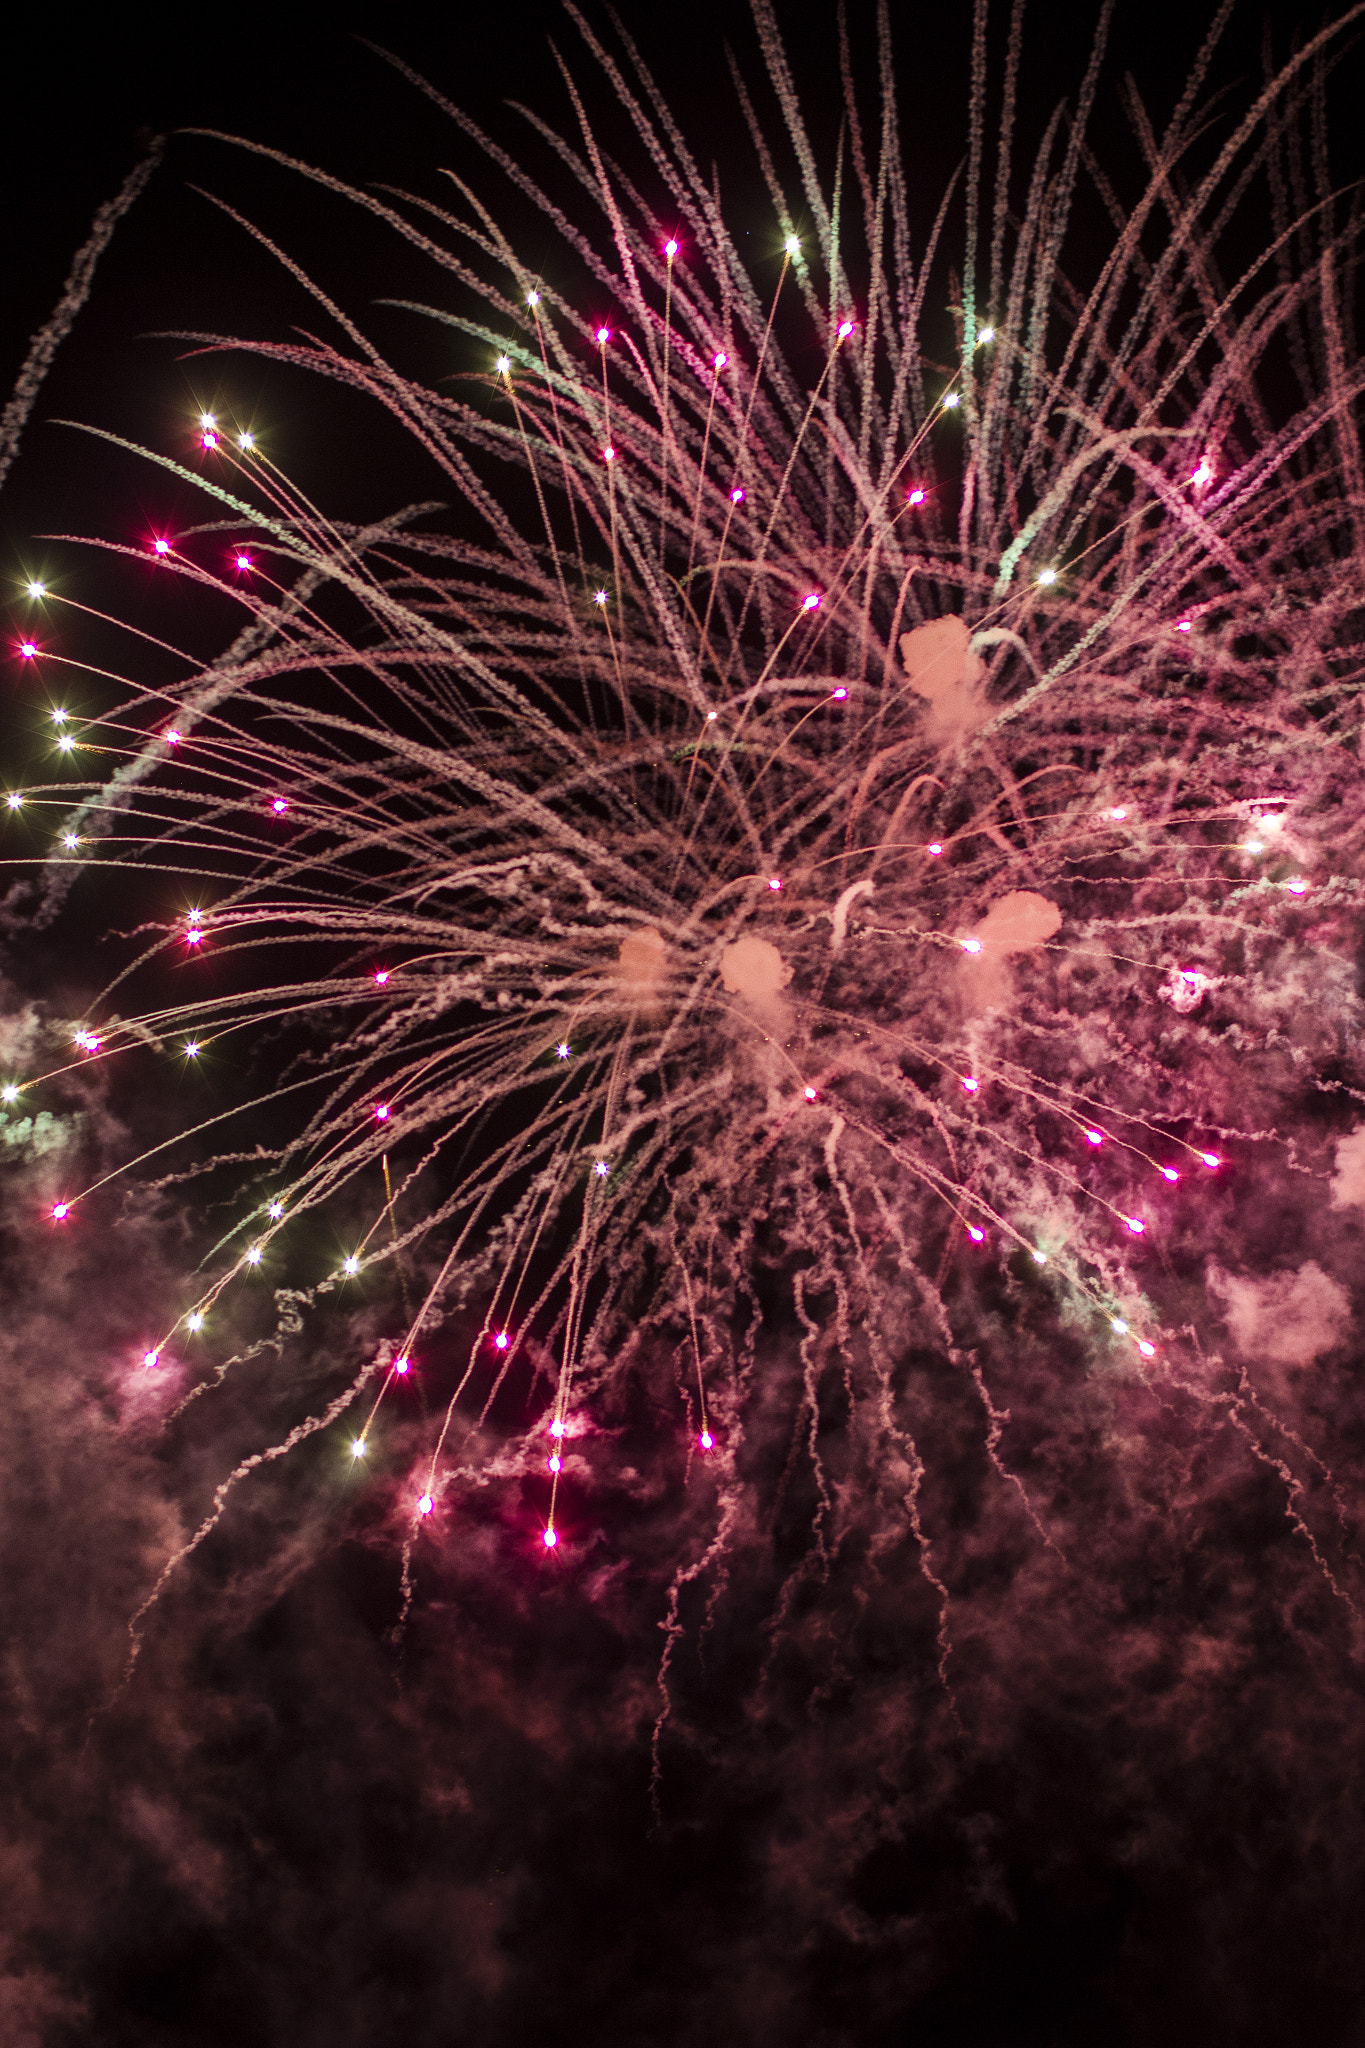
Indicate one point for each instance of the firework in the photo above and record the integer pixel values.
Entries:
(835, 870)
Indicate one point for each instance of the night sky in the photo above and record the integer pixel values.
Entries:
(1139, 1816)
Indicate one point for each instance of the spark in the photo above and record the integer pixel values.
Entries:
(774, 883)
(562, 1051)
(28, 648)
(350, 1264)
(935, 847)
(986, 334)
(502, 1340)
(279, 805)
(503, 365)
(1047, 576)
(811, 1094)
(358, 1447)
(951, 399)
(246, 441)
(60, 1211)
(402, 1364)
(706, 1440)
(601, 1169)
(151, 1358)
(970, 1084)
(160, 546)
(243, 562)
(35, 590)
(810, 602)
(59, 717)
(1118, 1326)
(191, 1049)
(550, 1539)
(916, 497)
(381, 976)
(718, 362)
(253, 1257)
(194, 1320)
(274, 1211)
(425, 1504)
(971, 945)
(791, 245)
(382, 1112)
(737, 495)
(9, 1093)
(70, 841)
(1094, 1137)
(670, 249)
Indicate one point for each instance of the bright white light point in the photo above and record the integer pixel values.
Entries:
(351, 1265)
(1169, 1173)
(1135, 1224)
(951, 399)
(986, 334)
(1210, 1159)
(208, 440)
(706, 1440)
(243, 561)
(1255, 846)
(1041, 1258)
(149, 1358)
(425, 1504)
(194, 936)
(976, 1236)
(971, 945)
(555, 1462)
(670, 249)
(275, 1211)
(1047, 576)
(161, 547)
(774, 882)
(711, 717)
(556, 1429)
(503, 365)
(551, 1538)
(14, 800)
(280, 805)
(533, 298)
(28, 648)
(970, 1084)
(36, 589)
(839, 695)
(1182, 626)
(9, 1093)
(382, 1112)
(502, 1340)
(1119, 1327)
(65, 743)
(1094, 1137)
(60, 1211)
(194, 1321)
(915, 497)
(70, 841)
(402, 1364)
(561, 1052)
(1202, 475)
(1147, 1350)
(358, 1447)
(599, 597)
(59, 717)
(191, 1049)
(737, 496)
(791, 245)
(719, 362)
(172, 739)
(1297, 888)
(608, 455)
(935, 847)
(845, 329)
(601, 1169)
(1118, 812)
(809, 602)
(253, 1257)
(381, 975)
(208, 421)
(604, 335)
(810, 1094)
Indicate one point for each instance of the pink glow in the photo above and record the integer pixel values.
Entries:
(1094, 1137)
(161, 547)
(845, 329)
(737, 495)
(608, 455)
(935, 847)
(1210, 1159)
(1118, 812)
(1204, 473)
(839, 695)
(810, 1094)
(1169, 1173)
(1135, 1224)
(1182, 626)
(280, 805)
(172, 738)
(603, 336)
(706, 1440)
(208, 440)
(403, 1364)
(60, 1211)
(916, 497)
(194, 937)
(381, 975)
(774, 882)
(1147, 1350)
(718, 362)
(425, 1504)
(382, 1112)
(502, 1340)
(976, 1236)
(970, 1084)
(1297, 888)
(550, 1539)
(810, 602)
(243, 561)
(670, 249)
(556, 1428)
(28, 648)
(971, 945)
(150, 1359)
(555, 1462)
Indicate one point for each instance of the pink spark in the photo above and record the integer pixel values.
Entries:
(425, 1504)
(60, 1211)
(670, 248)
(556, 1428)
(971, 945)
(604, 335)
(280, 805)
(194, 937)
(381, 975)
(382, 1112)
(243, 561)
(1183, 626)
(608, 455)
(1169, 1173)
(810, 1094)
(502, 1340)
(970, 1084)
(718, 362)
(915, 497)
(1135, 1224)
(935, 847)
(839, 695)
(1191, 975)
(774, 882)
(555, 1462)
(706, 1440)
(161, 547)
(1204, 473)
(28, 648)
(1094, 1137)
(737, 495)
(1147, 1350)
(1119, 812)
(550, 1539)
(172, 738)
(208, 440)
(810, 602)
(845, 329)
(151, 1358)
(1297, 888)
(1210, 1159)
(976, 1236)
(402, 1364)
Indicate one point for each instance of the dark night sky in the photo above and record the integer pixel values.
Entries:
(285, 1833)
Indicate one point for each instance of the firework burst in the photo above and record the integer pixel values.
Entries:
(835, 875)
